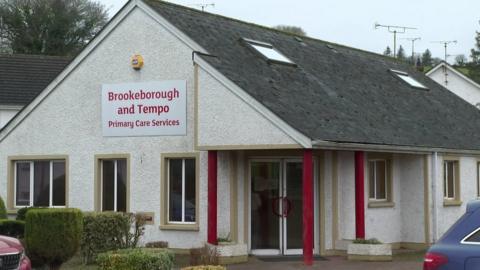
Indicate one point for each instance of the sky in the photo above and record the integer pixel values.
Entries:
(351, 22)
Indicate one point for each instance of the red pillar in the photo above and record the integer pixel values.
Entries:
(307, 207)
(212, 198)
(359, 195)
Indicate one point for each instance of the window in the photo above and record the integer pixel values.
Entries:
(268, 51)
(378, 180)
(473, 238)
(113, 184)
(451, 180)
(408, 79)
(39, 183)
(478, 179)
(181, 190)
(179, 182)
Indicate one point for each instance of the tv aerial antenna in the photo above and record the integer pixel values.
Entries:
(394, 29)
(204, 6)
(445, 46)
(413, 46)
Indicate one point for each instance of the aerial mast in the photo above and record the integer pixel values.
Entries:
(394, 29)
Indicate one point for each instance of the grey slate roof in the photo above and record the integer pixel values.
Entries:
(22, 77)
(340, 95)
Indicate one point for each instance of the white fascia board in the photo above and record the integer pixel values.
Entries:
(170, 27)
(328, 145)
(11, 107)
(119, 17)
(72, 66)
(253, 103)
(452, 69)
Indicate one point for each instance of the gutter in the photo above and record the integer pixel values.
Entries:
(434, 197)
(320, 144)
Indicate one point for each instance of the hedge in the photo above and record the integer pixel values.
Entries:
(205, 267)
(3, 209)
(107, 231)
(136, 259)
(22, 212)
(12, 228)
(53, 236)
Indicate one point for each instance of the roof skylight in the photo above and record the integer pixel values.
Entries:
(408, 79)
(268, 51)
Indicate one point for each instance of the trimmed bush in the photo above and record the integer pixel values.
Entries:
(136, 259)
(107, 231)
(371, 241)
(205, 267)
(3, 209)
(22, 212)
(157, 244)
(12, 228)
(53, 236)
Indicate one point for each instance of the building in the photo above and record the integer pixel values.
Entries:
(216, 127)
(22, 77)
(455, 81)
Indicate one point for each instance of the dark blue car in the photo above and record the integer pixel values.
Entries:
(459, 247)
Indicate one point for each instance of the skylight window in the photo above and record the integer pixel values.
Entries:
(408, 79)
(269, 52)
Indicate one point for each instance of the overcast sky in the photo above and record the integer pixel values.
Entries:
(350, 22)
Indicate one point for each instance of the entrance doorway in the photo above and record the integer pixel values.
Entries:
(276, 207)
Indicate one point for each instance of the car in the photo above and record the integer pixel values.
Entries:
(12, 254)
(459, 247)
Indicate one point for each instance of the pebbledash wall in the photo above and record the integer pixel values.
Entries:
(67, 122)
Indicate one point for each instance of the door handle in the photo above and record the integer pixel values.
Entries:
(275, 202)
(287, 207)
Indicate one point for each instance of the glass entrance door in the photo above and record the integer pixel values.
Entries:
(276, 207)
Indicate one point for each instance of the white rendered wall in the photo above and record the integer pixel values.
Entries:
(68, 122)
(226, 120)
(457, 85)
(447, 215)
(404, 222)
(6, 115)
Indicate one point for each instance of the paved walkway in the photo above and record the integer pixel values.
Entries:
(332, 263)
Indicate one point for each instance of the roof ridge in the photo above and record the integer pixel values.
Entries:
(34, 56)
(165, 2)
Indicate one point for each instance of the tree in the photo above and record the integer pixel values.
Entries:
(388, 51)
(475, 52)
(460, 60)
(52, 27)
(427, 58)
(401, 53)
(291, 29)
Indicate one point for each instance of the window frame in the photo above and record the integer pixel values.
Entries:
(478, 178)
(388, 159)
(464, 240)
(98, 170)
(402, 74)
(31, 159)
(165, 223)
(456, 199)
(375, 161)
(255, 43)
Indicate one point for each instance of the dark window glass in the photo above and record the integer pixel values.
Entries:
(449, 176)
(122, 185)
(190, 190)
(474, 237)
(175, 190)
(58, 197)
(380, 180)
(23, 184)
(371, 179)
(108, 178)
(41, 183)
